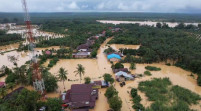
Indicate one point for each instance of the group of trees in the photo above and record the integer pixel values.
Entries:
(161, 45)
(26, 100)
(114, 101)
(161, 92)
(6, 39)
(23, 76)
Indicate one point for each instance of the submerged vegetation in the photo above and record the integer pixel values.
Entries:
(114, 101)
(167, 97)
(151, 68)
(178, 44)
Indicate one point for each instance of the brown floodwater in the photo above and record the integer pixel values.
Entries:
(95, 68)
(9, 47)
(118, 46)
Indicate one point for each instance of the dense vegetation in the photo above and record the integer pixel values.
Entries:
(167, 97)
(27, 100)
(76, 31)
(136, 100)
(23, 76)
(162, 44)
(114, 101)
(6, 39)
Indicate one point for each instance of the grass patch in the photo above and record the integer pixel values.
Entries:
(152, 68)
(167, 97)
(147, 73)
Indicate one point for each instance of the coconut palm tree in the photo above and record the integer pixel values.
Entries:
(62, 75)
(80, 71)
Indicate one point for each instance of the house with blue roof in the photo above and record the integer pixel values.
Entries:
(113, 57)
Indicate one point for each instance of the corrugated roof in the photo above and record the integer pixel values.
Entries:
(113, 56)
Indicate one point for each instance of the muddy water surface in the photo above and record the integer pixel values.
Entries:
(119, 46)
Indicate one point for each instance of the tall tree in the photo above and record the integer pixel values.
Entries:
(80, 71)
(62, 76)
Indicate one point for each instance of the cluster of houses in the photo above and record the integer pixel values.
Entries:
(84, 50)
(82, 97)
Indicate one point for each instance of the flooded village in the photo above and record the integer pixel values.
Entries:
(75, 94)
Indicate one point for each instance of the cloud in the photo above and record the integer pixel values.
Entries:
(73, 5)
(103, 5)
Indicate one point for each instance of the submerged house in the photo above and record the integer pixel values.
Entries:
(81, 54)
(123, 76)
(80, 96)
(113, 57)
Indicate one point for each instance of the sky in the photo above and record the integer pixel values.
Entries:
(163, 6)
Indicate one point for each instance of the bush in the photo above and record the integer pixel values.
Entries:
(133, 92)
(132, 66)
(118, 66)
(54, 104)
(53, 62)
(151, 68)
(87, 80)
(115, 103)
(111, 92)
(147, 73)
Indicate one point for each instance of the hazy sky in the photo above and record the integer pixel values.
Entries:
(189, 6)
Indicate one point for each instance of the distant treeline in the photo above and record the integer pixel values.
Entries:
(6, 39)
(38, 18)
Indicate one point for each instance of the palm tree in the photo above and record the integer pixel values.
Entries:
(80, 71)
(62, 75)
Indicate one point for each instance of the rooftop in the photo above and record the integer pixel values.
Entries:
(81, 96)
(110, 56)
